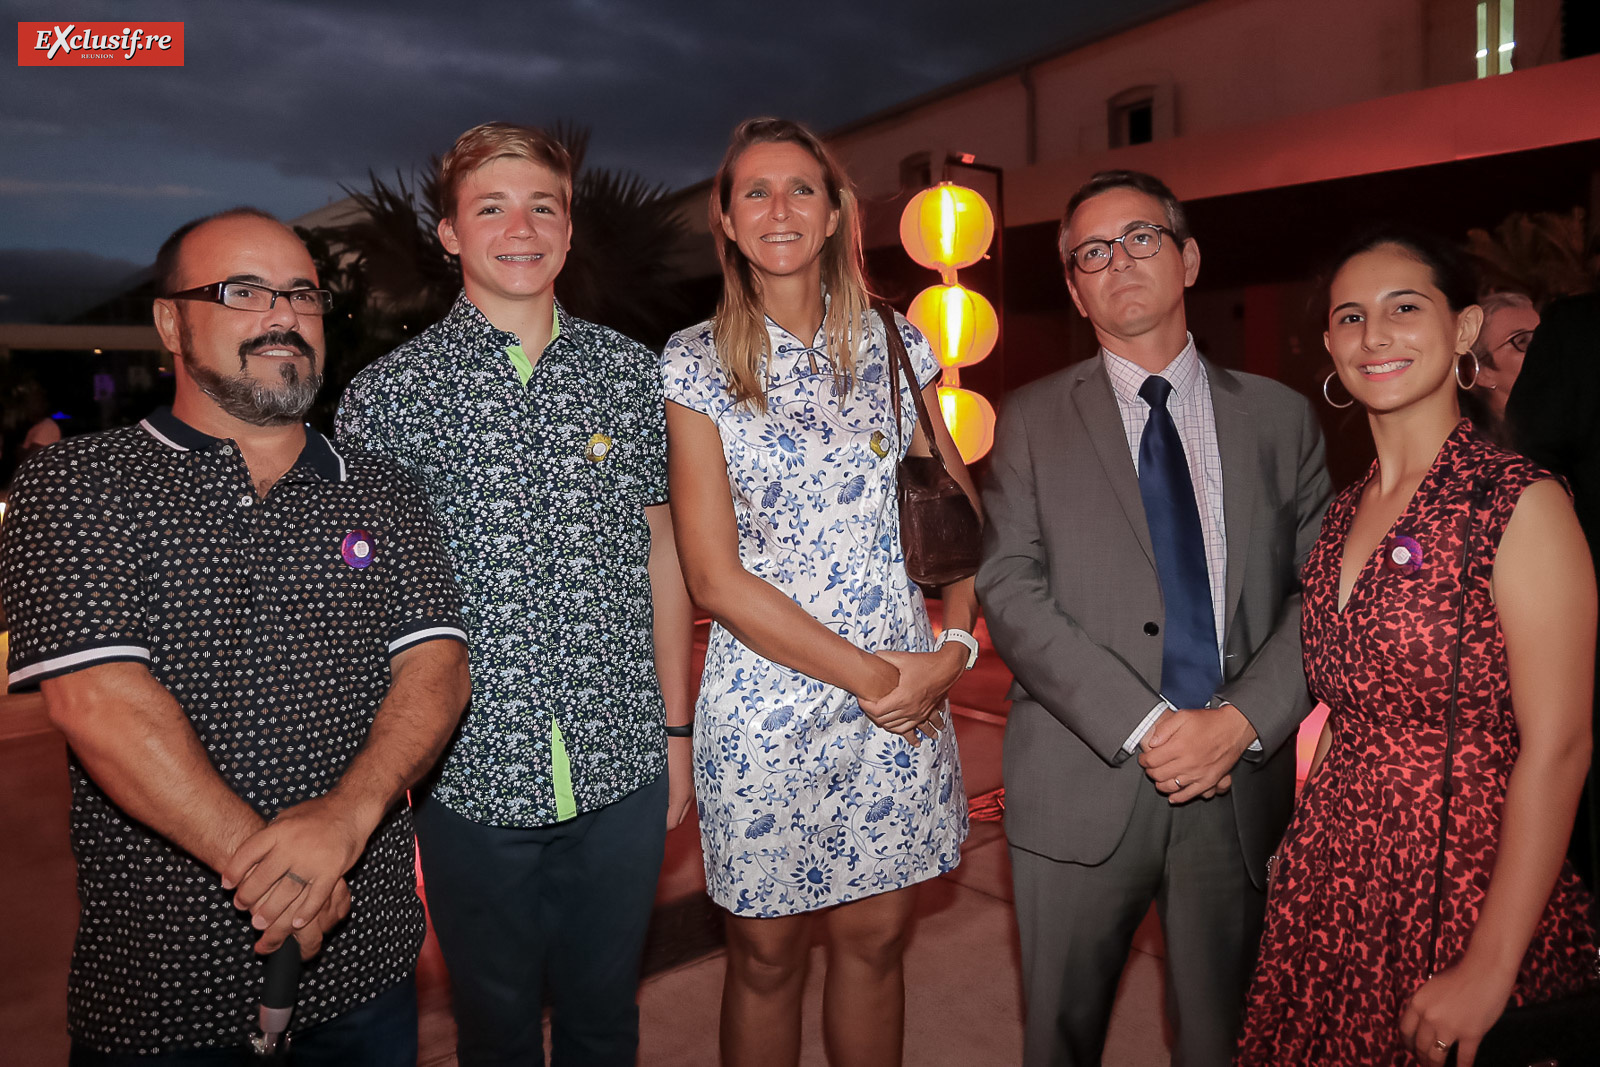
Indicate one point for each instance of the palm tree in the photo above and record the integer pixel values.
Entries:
(624, 233)
(393, 277)
(1545, 254)
(392, 249)
(360, 328)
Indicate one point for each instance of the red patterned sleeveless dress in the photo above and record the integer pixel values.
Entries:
(1350, 914)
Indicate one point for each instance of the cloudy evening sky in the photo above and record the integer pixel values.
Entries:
(279, 102)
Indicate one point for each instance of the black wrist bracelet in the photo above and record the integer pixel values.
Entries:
(686, 730)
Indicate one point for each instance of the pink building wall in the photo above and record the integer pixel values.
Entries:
(1214, 66)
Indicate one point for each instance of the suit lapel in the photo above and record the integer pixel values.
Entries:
(1236, 445)
(1097, 406)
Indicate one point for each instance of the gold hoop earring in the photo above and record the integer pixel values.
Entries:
(1328, 381)
(1476, 368)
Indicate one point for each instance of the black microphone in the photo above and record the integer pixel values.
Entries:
(281, 986)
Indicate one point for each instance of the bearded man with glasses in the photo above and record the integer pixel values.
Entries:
(1148, 513)
(252, 644)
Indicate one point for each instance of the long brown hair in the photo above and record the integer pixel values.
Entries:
(739, 327)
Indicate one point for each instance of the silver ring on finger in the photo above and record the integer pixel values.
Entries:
(1178, 782)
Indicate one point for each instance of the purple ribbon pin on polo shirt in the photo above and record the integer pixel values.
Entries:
(357, 548)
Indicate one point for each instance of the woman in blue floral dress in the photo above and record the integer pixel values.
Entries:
(825, 764)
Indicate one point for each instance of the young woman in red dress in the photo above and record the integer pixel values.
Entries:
(1449, 538)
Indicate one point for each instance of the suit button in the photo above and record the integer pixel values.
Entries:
(1151, 629)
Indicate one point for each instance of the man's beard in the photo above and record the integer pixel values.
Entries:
(259, 403)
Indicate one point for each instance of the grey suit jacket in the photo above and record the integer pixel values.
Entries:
(1069, 588)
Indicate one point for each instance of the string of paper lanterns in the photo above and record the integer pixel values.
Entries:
(946, 228)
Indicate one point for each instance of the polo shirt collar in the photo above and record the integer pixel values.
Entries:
(318, 457)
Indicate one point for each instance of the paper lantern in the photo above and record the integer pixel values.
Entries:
(960, 324)
(947, 227)
(971, 421)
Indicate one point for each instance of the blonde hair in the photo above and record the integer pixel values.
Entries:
(501, 140)
(1493, 304)
(739, 327)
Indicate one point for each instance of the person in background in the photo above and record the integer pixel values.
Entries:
(25, 427)
(1552, 420)
(1509, 321)
(1449, 626)
(825, 761)
(44, 432)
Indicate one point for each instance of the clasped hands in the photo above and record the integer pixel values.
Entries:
(915, 705)
(1190, 752)
(290, 873)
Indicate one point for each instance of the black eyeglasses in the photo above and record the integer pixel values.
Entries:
(247, 296)
(1141, 242)
(1519, 340)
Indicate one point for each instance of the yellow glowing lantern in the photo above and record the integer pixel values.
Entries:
(971, 421)
(947, 227)
(960, 324)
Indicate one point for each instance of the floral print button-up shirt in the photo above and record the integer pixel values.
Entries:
(540, 488)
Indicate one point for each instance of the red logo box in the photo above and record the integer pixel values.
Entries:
(99, 44)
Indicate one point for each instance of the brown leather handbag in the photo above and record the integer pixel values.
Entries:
(940, 532)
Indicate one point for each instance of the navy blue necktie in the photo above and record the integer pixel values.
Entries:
(1190, 673)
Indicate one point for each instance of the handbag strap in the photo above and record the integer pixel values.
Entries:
(1447, 787)
(899, 358)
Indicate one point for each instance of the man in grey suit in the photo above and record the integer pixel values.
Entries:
(1148, 514)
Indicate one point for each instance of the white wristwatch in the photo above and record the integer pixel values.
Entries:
(960, 637)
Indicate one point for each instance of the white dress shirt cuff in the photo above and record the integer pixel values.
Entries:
(1255, 746)
(1131, 745)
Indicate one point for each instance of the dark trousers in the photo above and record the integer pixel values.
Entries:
(556, 911)
(1077, 924)
(380, 1033)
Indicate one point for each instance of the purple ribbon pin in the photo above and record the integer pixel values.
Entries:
(1402, 555)
(357, 549)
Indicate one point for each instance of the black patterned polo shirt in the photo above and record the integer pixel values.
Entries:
(539, 477)
(272, 623)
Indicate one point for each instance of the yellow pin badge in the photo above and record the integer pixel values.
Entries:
(598, 448)
(879, 442)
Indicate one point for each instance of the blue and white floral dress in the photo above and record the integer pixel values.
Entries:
(803, 801)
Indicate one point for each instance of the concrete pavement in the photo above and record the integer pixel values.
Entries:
(963, 999)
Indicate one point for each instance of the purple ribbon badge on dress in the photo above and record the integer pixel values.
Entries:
(357, 549)
(1402, 555)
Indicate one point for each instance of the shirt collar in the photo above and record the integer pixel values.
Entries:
(1185, 372)
(317, 457)
(469, 322)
